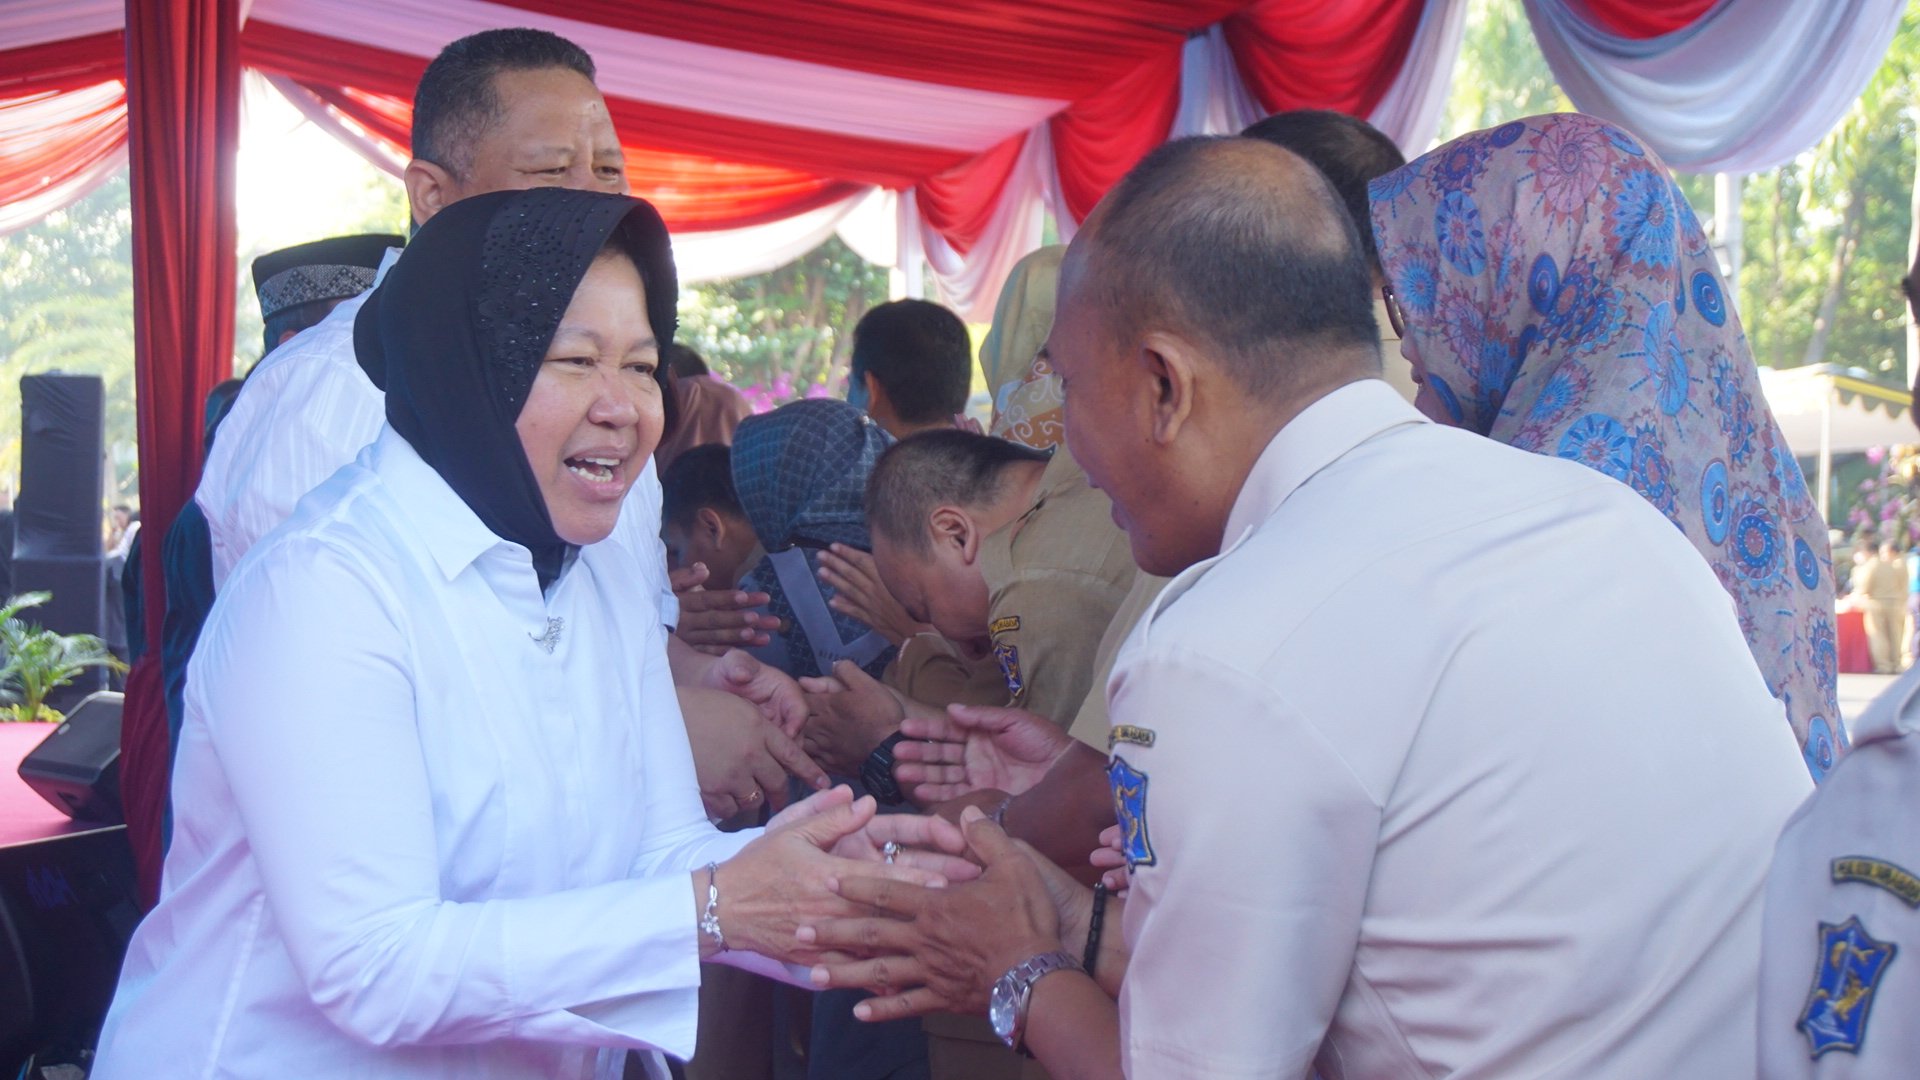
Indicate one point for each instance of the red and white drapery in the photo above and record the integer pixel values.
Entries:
(945, 133)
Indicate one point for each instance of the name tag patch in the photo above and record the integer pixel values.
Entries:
(1130, 807)
(1845, 978)
(1006, 624)
(1127, 733)
(1880, 874)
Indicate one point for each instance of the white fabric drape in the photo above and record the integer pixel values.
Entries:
(28, 122)
(1749, 86)
(322, 115)
(970, 283)
(1410, 112)
(702, 78)
(36, 22)
(1213, 98)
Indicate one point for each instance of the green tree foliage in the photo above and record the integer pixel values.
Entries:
(1826, 236)
(68, 288)
(788, 333)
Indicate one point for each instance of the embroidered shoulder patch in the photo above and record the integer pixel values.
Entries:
(1130, 807)
(1127, 733)
(1008, 657)
(1006, 624)
(1850, 965)
(1879, 873)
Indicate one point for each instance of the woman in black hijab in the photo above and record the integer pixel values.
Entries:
(435, 814)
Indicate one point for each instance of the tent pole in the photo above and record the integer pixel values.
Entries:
(1826, 456)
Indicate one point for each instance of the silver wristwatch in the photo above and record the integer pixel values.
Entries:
(1007, 1007)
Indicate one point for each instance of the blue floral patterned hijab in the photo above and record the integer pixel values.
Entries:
(1560, 297)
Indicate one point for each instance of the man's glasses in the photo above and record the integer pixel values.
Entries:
(1394, 315)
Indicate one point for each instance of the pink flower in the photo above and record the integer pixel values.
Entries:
(1876, 454)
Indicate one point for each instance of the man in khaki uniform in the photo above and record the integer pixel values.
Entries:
(1011, 555)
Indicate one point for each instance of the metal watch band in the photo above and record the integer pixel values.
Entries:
(1023, 976)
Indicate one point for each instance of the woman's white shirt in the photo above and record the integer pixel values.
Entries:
(427, 822)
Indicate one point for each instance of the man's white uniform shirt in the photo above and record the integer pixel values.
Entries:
(306, 409)
(1453, 763)
(1840, 971)
(429, 822)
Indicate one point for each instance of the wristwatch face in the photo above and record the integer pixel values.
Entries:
(1003, 1008)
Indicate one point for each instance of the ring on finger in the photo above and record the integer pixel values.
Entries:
(752, 796)
(890, 851)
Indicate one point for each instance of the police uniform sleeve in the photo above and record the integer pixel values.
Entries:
(1251, 843)
(1840, 960)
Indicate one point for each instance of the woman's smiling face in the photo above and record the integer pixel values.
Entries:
(594, 413)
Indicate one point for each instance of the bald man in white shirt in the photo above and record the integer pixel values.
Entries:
(1435, 758)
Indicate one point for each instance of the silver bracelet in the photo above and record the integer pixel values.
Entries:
(710, 918)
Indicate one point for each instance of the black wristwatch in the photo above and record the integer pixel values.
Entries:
(877, 772)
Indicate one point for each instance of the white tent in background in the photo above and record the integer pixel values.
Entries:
(1825, 409)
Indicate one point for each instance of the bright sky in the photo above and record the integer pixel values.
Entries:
(297, 182)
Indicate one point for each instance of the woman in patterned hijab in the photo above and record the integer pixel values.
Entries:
(1556, 293)
(801, 474)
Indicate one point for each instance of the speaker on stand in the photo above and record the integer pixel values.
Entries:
(57, 517)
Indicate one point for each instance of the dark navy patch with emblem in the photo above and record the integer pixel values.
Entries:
(1008, 657)
(1851, 963)
(1130, 806)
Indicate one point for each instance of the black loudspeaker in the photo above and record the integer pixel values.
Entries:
(77, 767)
(57, 518)
(63, 457)
(67, 910)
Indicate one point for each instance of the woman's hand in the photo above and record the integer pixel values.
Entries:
(976, 748)
(941, 950)
(859, 592)
(788, 876)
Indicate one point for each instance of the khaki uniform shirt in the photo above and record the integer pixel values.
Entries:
(1055, 576)
(1090, 723)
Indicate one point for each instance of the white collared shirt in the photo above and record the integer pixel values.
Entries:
(409, 840)
(306, 409)
(1454, 763)
(1847, 872)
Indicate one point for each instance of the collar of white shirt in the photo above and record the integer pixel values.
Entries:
(445, 524)
(1323, 433)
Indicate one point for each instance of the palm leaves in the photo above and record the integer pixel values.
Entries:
(38, 661)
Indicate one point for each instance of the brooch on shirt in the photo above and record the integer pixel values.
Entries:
(1130, 807)
(551, 638)
(1845, 977)
(1879, 873)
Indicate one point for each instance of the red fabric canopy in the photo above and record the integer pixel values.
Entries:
(1640, 19)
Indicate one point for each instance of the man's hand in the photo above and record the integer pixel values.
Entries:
(787, 875)
(941, 950)
(1110, 861)
(715, 621)
(773, 691)
(847, 716)
(976, 748)
(740, 760)
(859, 592)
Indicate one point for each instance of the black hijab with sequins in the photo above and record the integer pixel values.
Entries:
(459, 327)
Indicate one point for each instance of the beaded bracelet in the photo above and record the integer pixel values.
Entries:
(1093, 927)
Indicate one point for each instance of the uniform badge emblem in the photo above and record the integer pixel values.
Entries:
(1130, 806)
(1849, 970)
(1006, 624)
(1008, 657)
